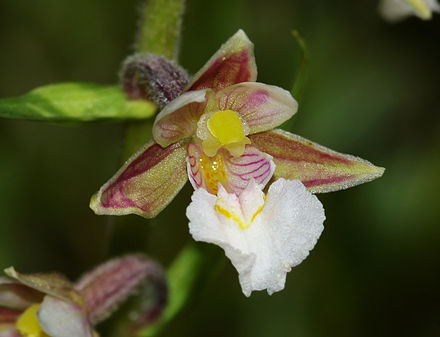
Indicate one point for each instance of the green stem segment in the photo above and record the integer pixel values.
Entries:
(160, 30)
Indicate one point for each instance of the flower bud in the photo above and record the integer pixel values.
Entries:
(153, 77)
(111, 283)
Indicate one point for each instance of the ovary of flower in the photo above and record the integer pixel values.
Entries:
(28, 325)
(225, 129)
(263, 237)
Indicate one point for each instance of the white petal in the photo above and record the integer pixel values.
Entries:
(60, 318)
(178, 119)
(251, 201)
(283, 234)
(278, 238)
(209, 226)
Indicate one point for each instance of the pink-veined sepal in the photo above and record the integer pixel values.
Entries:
(317, 167)
(233, 63)
(145, 184)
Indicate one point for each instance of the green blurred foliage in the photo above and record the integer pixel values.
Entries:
(372, 91)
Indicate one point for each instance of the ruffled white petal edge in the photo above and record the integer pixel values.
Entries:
(280, 236)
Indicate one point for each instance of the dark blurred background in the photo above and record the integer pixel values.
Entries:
(372, 91)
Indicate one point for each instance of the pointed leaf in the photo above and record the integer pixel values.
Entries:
(233, 63)
(145, 184)
(48, 283)
(75, 102)
(260, 106)
(234, 173)
(178, 119)
(320, 169)
(111, 283)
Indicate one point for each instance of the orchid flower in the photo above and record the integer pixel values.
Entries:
(221, 130)
(48, 305)
(394, 10)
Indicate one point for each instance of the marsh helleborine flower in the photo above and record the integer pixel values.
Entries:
(48, 305)
(220, 133)
(395, 10)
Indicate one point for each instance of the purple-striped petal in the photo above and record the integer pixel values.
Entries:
(260, 106)
(145, 184)
(234, 173)
(178, 119)
(59, 318)
(233, 63)
(319, 168)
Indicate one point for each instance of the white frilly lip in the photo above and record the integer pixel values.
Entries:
(263, 238)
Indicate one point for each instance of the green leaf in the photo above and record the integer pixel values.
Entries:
(75, 102)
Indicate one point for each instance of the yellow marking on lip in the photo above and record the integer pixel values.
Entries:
(256, 213)
(233, 216)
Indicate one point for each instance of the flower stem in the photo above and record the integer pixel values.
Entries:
(160, 29)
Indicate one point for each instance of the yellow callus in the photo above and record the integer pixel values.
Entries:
(27, 324)
(226, 130)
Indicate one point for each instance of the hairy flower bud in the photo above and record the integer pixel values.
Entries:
(153, 77)
(111, 283)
